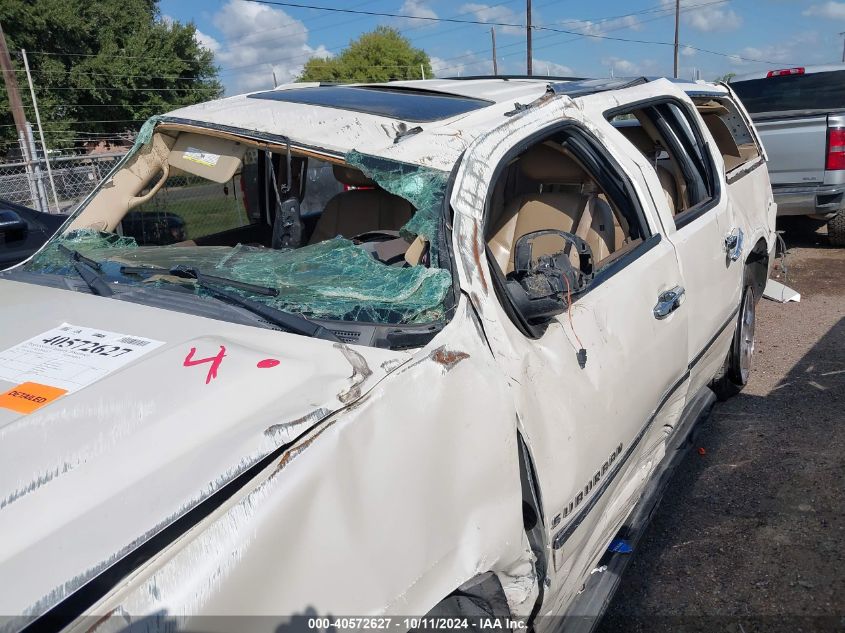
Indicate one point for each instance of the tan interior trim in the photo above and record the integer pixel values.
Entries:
(249, 142)
(114, 199)
(682, 203)
(165, 174)
(415, 251)
(710, 107)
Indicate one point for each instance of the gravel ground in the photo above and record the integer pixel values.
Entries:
(751, 534)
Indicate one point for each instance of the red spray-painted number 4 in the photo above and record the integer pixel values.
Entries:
(214, 360)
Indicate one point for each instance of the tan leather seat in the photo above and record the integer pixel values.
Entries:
(578, 211)
(643, 142)
(357, 211)
(670, 187)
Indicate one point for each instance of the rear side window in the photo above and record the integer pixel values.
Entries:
(671, 140)
(818, 91)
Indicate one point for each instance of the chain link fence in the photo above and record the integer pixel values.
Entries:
(74, 177)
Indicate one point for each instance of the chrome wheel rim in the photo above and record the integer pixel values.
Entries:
(746, 336)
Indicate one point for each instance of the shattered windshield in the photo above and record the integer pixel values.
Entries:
(357, 241)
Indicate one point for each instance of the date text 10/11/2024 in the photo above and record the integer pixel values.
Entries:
(407, 623)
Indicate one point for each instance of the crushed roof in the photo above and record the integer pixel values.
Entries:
(435, 143)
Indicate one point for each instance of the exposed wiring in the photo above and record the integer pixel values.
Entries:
(569, 310)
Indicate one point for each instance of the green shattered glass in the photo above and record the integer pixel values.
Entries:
(86, 241)
(423, 187)
(338, 279)
(334, 279)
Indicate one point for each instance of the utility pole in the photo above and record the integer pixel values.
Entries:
(11, 81)
(529, 52)
(40, 129)
(495, 63)
(677, 29)
(843, 46)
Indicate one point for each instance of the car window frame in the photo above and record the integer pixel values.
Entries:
(652, 234)
(696, 211)
(749, 166)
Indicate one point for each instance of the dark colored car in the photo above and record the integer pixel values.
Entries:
(23, 231)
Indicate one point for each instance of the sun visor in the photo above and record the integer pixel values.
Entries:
(209, 157)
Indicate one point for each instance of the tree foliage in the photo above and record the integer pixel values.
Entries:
(101, 67)
(380, 55)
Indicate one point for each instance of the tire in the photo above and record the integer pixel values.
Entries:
(836, 229)
(479, 599)
(736, 370)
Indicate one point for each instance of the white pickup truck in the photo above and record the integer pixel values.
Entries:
(445, 393)
(800, 115)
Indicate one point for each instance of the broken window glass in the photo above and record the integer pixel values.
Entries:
(423, 187)
(334, 279)
(223, 227)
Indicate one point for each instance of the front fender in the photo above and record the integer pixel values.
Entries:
(383, 509)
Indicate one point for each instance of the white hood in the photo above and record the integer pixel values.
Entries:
(91, 475)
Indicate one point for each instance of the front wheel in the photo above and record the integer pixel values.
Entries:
(736, 370)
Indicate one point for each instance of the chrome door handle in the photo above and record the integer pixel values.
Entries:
(733, 244)
(668, 302)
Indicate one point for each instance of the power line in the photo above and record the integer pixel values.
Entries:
(504, 24)
(227, 70)
(87, 122)
(666, 13)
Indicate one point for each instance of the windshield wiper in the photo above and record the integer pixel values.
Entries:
(189, 272)
(292, 322)
(87, 269)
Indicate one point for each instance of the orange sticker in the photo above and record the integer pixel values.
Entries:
(29, 396)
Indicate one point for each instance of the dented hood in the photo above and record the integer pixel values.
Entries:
(95, 472)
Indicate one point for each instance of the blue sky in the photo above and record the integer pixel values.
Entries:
(252, 41)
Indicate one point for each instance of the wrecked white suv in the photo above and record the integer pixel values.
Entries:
(418, 349)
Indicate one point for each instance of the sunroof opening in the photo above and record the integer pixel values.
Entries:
(406, 104)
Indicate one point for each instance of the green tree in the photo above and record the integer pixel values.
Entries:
(380, 55)
(101, 67)
(726, 77)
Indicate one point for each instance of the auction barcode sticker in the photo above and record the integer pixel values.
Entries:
(71, 357)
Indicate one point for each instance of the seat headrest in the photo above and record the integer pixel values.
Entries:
(639, 138)
(351, 176)
(547, 165)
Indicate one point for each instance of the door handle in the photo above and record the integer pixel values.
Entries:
(733, 244)
(668, 302)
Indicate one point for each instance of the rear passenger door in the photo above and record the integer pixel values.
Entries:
(702, 226)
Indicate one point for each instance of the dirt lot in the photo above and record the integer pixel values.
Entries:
(751, 534)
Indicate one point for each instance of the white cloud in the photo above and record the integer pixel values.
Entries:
(619, 67)
(467, 64)
(206, 41)
(803, 47)
(830, 10)
(707, 18)
(686, 51)
(258, 41)
(417, 9)
(543, 67)
(600, 27)
(496, 13)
